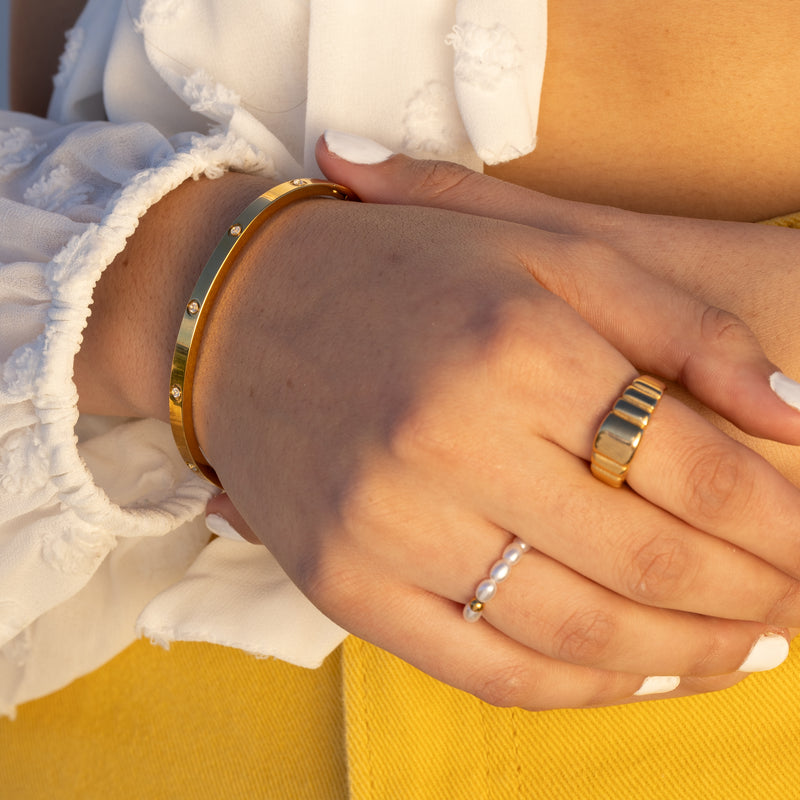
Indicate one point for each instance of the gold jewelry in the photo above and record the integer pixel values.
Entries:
(195, 314)
(620, 433)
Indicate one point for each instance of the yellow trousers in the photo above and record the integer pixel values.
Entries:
(204, 722)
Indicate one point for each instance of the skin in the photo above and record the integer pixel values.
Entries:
(726, 160)
(679, 110)
(374, 446)
(35, 49)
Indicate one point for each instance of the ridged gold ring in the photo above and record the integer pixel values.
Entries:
(620, 433)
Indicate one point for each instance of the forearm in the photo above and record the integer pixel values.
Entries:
(124, 363)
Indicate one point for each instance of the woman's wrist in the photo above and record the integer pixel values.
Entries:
(200, 308)
(123, 366)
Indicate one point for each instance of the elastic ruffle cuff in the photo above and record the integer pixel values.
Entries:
(82, 525)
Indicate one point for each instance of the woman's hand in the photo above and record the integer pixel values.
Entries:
(726, 268)
(390, 396)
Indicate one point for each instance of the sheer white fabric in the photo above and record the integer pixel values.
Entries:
(101, 532)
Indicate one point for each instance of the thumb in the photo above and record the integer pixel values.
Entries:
(223, 519)
(378, 175)
(660, 328)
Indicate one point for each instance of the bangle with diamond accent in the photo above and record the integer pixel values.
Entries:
(196, 311)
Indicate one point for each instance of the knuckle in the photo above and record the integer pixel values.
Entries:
(785, 609)
(658, 571)
(718, 484)
(600, 253)
(494, 355)
(424, 433)
(721, 328)
(509, 685)
(366, 504)
(331, 584)
(444, 178)
(707, 662)
(565, 278)
(586, 637)
(508, 346)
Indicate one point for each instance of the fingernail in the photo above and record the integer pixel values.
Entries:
(768, 652)
(356, 149)
(219, 525)
(787, 389)
(658, 684)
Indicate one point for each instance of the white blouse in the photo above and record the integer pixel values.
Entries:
(101, 530)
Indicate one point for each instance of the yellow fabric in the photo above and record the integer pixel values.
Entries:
(411, 737)
(202, 722)
(197, 722)
(789, 221)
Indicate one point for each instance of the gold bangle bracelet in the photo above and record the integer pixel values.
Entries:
(196, 311)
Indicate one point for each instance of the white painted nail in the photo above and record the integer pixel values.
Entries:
(356, 149)
(219, 525)
(658, 684)
(787, 389)
(768, 652)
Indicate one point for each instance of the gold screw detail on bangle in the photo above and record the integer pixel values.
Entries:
(202, 299)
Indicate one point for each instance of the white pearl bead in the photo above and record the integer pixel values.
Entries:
(486, 590)
(470, 615)
(524, 546)
(499, 571)
(512, 554)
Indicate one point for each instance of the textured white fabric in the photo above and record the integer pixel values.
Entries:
(236, 595)
(99, 519)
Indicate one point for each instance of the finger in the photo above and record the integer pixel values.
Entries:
(482, 661)
(669, 332)
(553, 609)
(524, 469)
(561, 614)
(689, 468)
(659, 327)
(429, 633)
(223, 519)
(701, 506)
(582, 623)
(725, 489)
(690, 686)
(379, 176)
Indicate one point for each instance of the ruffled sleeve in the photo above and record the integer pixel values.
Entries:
(498, 69)
(85, 505)
(99, 533)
